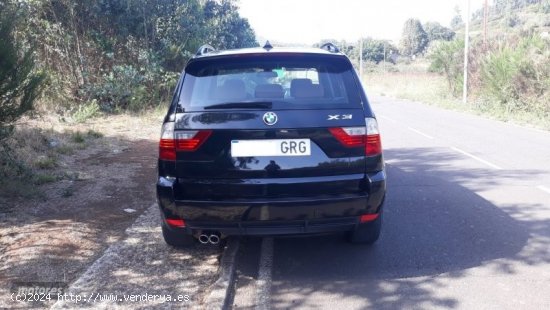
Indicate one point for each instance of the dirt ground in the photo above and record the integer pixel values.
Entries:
(54, 236)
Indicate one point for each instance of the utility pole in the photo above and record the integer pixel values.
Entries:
(361, 59)
(466, 49)
(384, 56)
(485, 20)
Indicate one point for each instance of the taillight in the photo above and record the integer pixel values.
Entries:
(191, 140)
(373, 142)
(172, 141)
(167, 145)
(350, 136)
(367, 137)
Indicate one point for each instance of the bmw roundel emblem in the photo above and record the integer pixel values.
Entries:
(270, 118)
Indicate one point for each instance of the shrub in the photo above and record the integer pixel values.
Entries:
(517, 74)
(85, 111)
(544, 7)
(447, 58)
(511, 20)
(20, 84)
(512, 73)
(127, 88)
(116, 87)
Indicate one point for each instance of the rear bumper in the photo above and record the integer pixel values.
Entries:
(272, 228)
(274, 216)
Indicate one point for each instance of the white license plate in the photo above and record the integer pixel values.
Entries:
(283, 147)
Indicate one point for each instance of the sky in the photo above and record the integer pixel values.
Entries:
(309, 21)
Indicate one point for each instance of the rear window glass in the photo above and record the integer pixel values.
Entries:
(285, 81)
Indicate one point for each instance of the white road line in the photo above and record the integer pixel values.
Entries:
(263, 287)
(387, 118)
(420, 133)
(477, 158)
(544, 188)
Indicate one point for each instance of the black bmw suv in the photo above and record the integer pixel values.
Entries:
(270, 141)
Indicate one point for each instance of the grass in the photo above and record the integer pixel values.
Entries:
(431, 88)
(67, 192)
(18, 188)
(65, 149)
(424, 87)
(94, 134)
(78, 137)
(40, 179)
(31, 157)
(46, 162)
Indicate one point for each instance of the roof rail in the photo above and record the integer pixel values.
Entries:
(204, 49)
(330, 47)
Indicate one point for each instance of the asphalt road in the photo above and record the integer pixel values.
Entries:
(467, 225)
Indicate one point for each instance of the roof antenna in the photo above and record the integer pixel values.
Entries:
(268, 45)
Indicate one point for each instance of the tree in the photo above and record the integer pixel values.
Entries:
(414, 39)
(228, 29)
(447, 58)
(20, 85)
(98, 50)
(435, 31)
(456, 21)
(373, 50)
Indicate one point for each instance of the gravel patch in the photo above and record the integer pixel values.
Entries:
(143, 272)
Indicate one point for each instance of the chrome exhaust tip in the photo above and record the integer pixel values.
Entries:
(204, 239)
(214, 239)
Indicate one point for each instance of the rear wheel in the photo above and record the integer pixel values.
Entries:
(175, 239)
(367, 233)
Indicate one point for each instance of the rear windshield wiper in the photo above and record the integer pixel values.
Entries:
(241, 105)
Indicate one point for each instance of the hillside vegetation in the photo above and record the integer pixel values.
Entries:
(74, 60)
(508, 72)
(115, 55)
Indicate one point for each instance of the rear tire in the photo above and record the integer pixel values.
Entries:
(177, 239)
(367, 233)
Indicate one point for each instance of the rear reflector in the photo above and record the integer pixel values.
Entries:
(368, 217)
(172, 141)
(175, 222)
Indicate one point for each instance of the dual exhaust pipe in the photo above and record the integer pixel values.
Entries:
(212, 238)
